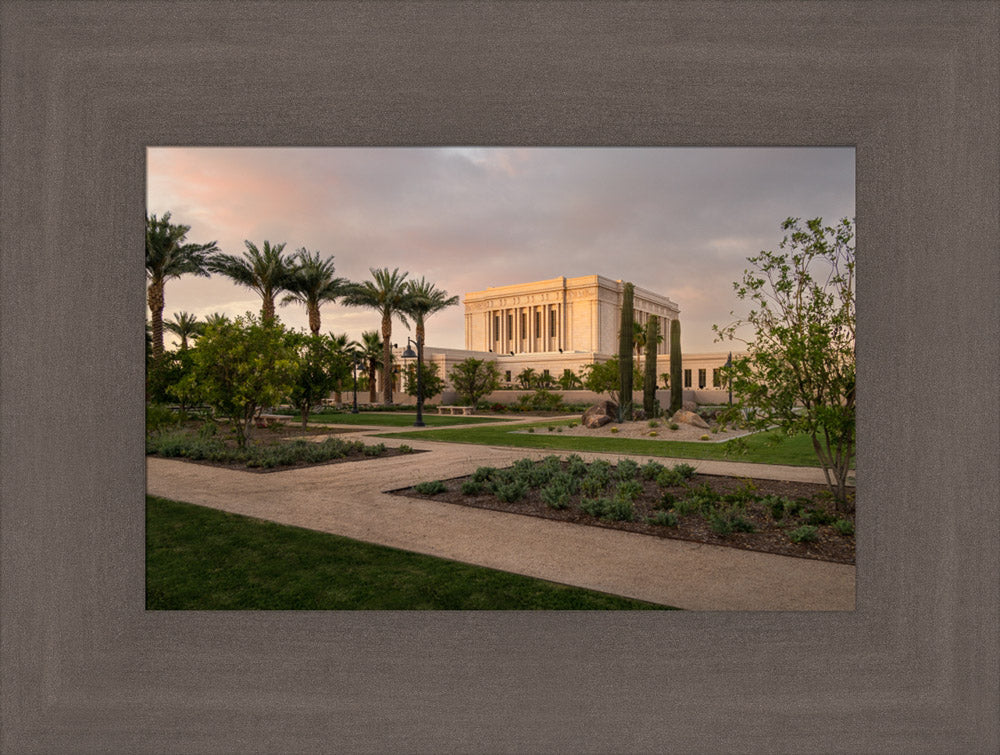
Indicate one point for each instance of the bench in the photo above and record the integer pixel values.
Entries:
(456, 409)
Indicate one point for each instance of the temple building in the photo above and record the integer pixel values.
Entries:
(564, 324)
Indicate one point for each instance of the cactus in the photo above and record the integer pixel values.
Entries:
(676, 387)
(649, 377)
(625, 353)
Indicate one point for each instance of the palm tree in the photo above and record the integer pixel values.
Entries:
(186, 326)
(424, 300)
(343, 348)
(371, 352)
(266, 272)
(526, 377)
(311, 282)
(167, 256)
(389, 296)
(215, 319)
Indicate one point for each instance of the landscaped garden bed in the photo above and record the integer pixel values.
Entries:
(274, 448)
(772, 516)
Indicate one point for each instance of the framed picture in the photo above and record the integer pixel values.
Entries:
(88, 88)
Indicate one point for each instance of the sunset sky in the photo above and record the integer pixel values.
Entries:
(678, 221)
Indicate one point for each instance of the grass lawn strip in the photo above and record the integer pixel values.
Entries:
(386, 419)
(199, 558)
(761, 448)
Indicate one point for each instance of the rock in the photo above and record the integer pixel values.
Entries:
(639, 415)
(688, 418)
(689, 406)
(600, 414)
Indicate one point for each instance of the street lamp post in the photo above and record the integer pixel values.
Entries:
(408, 354)
(354, 364)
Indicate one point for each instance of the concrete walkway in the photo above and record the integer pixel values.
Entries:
(349, 499)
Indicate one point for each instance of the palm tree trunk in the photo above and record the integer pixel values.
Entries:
(154, 297)
(314, 318)
(371, 383)
(267, 309)
(387, 359)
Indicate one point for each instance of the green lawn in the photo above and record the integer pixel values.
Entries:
(198, 558)
(383, 419)
(794, 451)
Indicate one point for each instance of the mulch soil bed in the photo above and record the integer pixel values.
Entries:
(771, 536)
(278, 433)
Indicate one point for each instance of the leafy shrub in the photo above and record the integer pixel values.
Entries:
(160, 416)
(471, 487)
(776, 505)
(741, 524)
(596, 507)
(593, 485)
(559, 429)
(844, 527)
(531, 429)
(650, 470)
(667, 501)
(405, 449)
(685, 470)
(663, 519)
(552, 428)
(376, 450)
(720, 523)
(653, 423)
(803, 534)
(558, 492)
(674, 426)
(430, 488)
(742, 495)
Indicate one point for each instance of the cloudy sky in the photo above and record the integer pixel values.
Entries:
(678, 221)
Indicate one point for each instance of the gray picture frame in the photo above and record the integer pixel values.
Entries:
(88, 86)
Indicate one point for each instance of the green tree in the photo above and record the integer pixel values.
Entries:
(798, 371)
(388, 294)
(676, 386)
(625, 345)
(423, 300)
(242, 366)
(265, 271)
(185, 326)
(605, 377)
(168, 256)
(652, 339)
(342, 353)
(372, 354)
(311, 282)
(431, 383)
(473, 379)
(317, 372)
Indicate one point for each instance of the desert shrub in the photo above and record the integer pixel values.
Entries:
(376, 450)
(628, 490)
(541, 401)
(430, 488)
(667, 501)
(483, 474)
(650, 470)
(674, 426)
(559, 429)
(575, 465)
(804, 534)
(552, 428)
(776, 505)
(471, 487)
(669, 478)
(742, 524)
(818, 517)
(653, 423)
(844, 527)
(685, 470)
(663, 519)
(609, 509)
(742, 495)
(592, 485)
(573, 424)
(720, 523)
(558, 492)
(627, 469)
(531, 429)
(510, 488)
(405, 449)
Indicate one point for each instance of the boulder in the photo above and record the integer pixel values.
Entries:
(600, 414)
(689, 406)
(688, 418)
